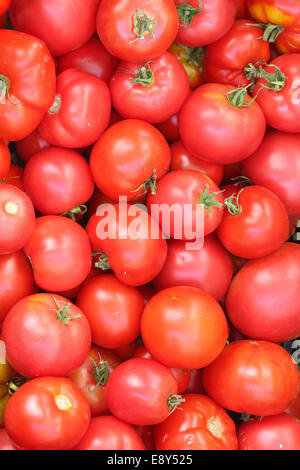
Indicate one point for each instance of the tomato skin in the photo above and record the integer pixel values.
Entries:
(294, 408)
(200, 424)
(276, 165)
(192, 60)
(156, 102)
(4, 160)
(242, 9)
(57, 180)
(169, 128)
(60, 253)
(15, 177)
(279, 432)
(169, 324)
(31, 145)
(146, 433)
(113, 309)
(195, 385)
(252, 377)
(215, 131)
(258, 297)
(5, 441)
(33, 406)
(4, 6)
(126, 352)
(115, 28)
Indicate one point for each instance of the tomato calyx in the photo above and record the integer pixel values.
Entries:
(62, 312)
(144, 75)
(237, 97)
(208, 201)
(15, 383)
(243, 181)
(186, 13)
(78, 210)
(141, 25)
(4, 89)
(270, 31)
(149, 183)
(232, 204)
(276, 81)
(56, 105)
(174, 401)
(102, 262)
(100, 372)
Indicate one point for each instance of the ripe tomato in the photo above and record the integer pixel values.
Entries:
(4, 160)
(109, 433)
(138, 31)
(146, 433)
(58, 180)
(200, 424)
(142, 392)
(15, 177)
(153, 92)
(195, 385)
(216, 130)
(276, 165)
(252, 377)
(192, 60)
(261, 302)
(231, 171)
(31, 145)
(5, 441)
(24, 100)
(203, 22)
(294, 408)
(242, 9)
(197, 268)
(52, 414)
(4, 6)
(3, 21)
(279, 432)
(63, 26)
(186, 320)
(60, 253)
(113, 309)
(169, 128)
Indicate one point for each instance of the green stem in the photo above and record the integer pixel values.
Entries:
(232, 204)
(15, 383)
(4, 89)
(78, 210)
(102, 262)
(186, 13)
(208, 201)
(62, 311)
(270, 31)
(144, 75)
(142, 24)
(174, 401)
(149, 183)
(100, 372)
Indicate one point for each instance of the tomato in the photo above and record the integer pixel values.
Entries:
(52, 414)
(182, 159)
(153, 92)
(147, 292)
(186, 320)
(31, 145)
(24, 100)
(113, 309)
(4, 160)
(214, 129)
(203, 22)
(169, 128)
(58, 180)
(195, 385)
(197, 268)
(261, 302)
(242, 9)
(146, 433)
(4, 6)
(63, 26)
(192, 60)
(200, 424)
(193, 201)
(294, 408)
(126, 352)
(128, 159)
(231, 171)
(80, 113)
(252, 377)
(138, 31)
(142, 392)
(276, 165)
(3, 21)
(15, 177)
(5, 441)
(279, 432)
(109, 433)
(231, 59)
(92, 375)
(60, 253)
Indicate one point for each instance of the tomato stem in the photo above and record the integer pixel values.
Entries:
(141, 25)
(270, 31)
(62, 312)
(208, 201)
(186, 13)
(4, 89)
(149, 183)
(78, 210)
(100, 372)
(102, 262)
(276, 80)
(144, 75)
(15, 383)
(174, 401)
(232, 204)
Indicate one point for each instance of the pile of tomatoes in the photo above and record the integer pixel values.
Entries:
(165, 332)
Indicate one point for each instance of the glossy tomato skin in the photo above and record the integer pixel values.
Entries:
(60, 253)
(31, 145)
(261, 302)
(279, 432)
(57, 180)
(4, 160)
(83, 110)
(294, 408)
(5, 441)
(210, 24)
(195, 385)
(52, 414)
(276, 165)
(4, 6)
(187, 320)
(200, 424)
(110, 433)
(138, 391)
(252, 377)
(192, 60)
(115, 28)
(157, 101)
(169, 128)
(15, 177)
(113, 309)
(63, 26)
(242, 9)
(216, 131)
(197, 268)
(146, 433)
(19, 53)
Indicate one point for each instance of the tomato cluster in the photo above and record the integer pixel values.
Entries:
(149, 197)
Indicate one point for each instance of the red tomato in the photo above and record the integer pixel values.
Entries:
(242, 9)
(232, 170)
(63, 26)
(216, 130)
(200, 424)
(186, 320)
(3, 21)
(146, 433)
(276, 165)
(195, 385)
(15, 177)
(128, 159)
(60, 253)
(138, 31)
(279, 432)
(126, 352)
(262, 302)
(142, 392)
(4, 160)
(197, 268)
(147, 292)
(203, 22)
(30, 145)
(169, 128)
(24, 99)
(4, 6)
(153, 92)
(252, 377)
(192, 60)
(81, 111)
(294, 408)
(52, 414)
(5, 441)
(113, 309)
(58, 180)
(109, 433)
